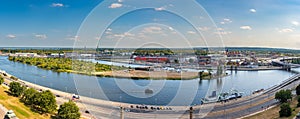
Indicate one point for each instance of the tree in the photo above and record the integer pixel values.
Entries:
(283, 95)
(16, 89)
(285, 110)
(29, 96)
(45, 102)
(298, 90)
(298, 98)
(68, 110)
(1, 80)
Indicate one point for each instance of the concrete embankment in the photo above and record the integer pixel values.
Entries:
(84, 103)
(254, 69)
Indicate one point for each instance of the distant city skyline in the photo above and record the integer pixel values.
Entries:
(241, 23)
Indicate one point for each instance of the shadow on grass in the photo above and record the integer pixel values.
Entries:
(9, 94)
(54, 117)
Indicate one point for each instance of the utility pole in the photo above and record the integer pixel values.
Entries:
(191, 112)
(121, 112)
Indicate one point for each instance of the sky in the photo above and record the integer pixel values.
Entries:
(164, 23)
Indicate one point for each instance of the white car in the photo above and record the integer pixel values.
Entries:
(10, 115)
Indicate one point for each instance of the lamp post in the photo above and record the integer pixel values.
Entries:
(191, 112)
(121, 112)
(66, 91)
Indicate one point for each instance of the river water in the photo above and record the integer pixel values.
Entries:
(165, 92)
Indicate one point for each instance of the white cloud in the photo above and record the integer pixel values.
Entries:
(286, 30)
(115, 5)
(226, 21)
(119, 36)
(152, 30)
(40, 36)
(191, 32)
(220, 29)
(108, 29)
(120, 0)
(57, 5)
(295, 23)
(160, 9)
(204, 28)
(223, 32)
(108, 32)
(11, 36)
(252, 10)
(171, 28)
(73, 37)
(128, 34)
(246, 27)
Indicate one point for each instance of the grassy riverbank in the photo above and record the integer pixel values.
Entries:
(102, 70)
(13, 103)
(63, 64)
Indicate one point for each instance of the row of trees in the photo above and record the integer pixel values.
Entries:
(296, 61)
(44, 102)
(284, 96)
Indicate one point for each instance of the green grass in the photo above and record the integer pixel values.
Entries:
(21, 110)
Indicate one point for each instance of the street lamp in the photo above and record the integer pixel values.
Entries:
(66, 91)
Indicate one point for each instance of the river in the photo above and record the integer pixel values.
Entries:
(166, 92)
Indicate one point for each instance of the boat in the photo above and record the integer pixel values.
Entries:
(210, 99)
(148, 91)
(233, 94)
(224, 96)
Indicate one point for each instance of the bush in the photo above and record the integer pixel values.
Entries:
(14, 78)
(298, 90)
(68, 110)
(1, 80)
(45, 102)
(285, 110)
(16, 89)
(29, 96)
(283, 95)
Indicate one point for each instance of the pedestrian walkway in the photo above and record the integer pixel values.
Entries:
(3, 111)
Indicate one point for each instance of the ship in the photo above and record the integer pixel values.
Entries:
(224, 96)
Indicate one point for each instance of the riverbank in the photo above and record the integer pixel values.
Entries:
(102, 70)
(91, 105)
(139, 74)
(106, 107)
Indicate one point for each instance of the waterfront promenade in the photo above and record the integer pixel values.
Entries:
(232, 109)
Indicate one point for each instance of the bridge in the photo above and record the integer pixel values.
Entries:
(284, 65)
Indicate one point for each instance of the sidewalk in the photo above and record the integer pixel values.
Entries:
(3, 111)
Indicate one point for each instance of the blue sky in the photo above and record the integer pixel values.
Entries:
(263, 23)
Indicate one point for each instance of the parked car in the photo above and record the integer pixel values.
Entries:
(10, 115)
(298, 115)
